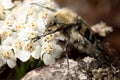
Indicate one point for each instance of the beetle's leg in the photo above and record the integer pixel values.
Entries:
(48, 33)
(65, 50)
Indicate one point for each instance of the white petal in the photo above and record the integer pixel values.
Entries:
(21, 16)
(41, 25)
(41, 2)
(42, 53)
(48, 59)
(7, 41)
(1, 62)
(4, 48)
(57, 51)
(7, 4)
(36, 53)
(23, 55)
(12, 55)
(11, 63)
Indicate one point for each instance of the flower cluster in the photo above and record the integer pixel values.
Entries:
(102, 29)
(19, 24)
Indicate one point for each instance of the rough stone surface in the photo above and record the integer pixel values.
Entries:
(86, 69)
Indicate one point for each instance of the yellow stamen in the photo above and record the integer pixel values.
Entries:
(8, 23)
(5, 34)
(48, 49)
(6, 54)
(49, 38)
(19, 26)
(31, 35)
(18, 44)
(33, 25)
(31, 10)
(51, 6)
(29, 46)
(44, 14)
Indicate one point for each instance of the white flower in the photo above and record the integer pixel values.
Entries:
(7, 4)
(27, 34)
(18, 26)
(48, 38)
(7, 56)
(32, 12)
(25, 49)
(32, 24)
(48, 59)
(41, 25)
(19, 53)
(36, 26)
(46, 15)
(9, 21)
(52, 5)
(49, 52)
(33, 48)
(41, 2)
(1, 25)
(26, 12)
(5, 33)
(102, 29)
(7, 41)
(24, 22)
(20, 14)
(7, 36)
(2, 15)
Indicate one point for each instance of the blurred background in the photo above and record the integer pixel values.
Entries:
(95, 11)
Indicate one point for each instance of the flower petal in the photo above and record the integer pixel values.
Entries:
(1, 62)
(36, 53)
(7, 4)
(23, 55)
(7, 41)
(11, 63)
(57, 51)
(48, 59)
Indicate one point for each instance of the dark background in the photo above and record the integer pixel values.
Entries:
(94, 11)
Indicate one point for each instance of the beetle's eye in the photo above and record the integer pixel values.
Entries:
(53, 23)
(79, 21)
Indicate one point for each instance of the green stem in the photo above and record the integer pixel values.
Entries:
(20, 71)
(24, 67)
(40, 63)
